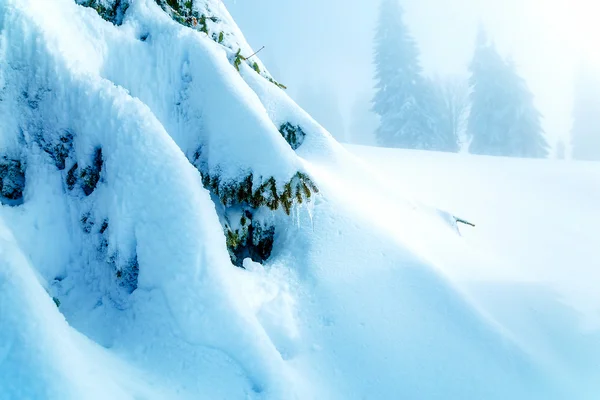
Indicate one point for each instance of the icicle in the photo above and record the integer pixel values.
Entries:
(310, 208)
(296, 216)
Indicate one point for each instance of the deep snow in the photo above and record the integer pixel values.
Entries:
(534, 266)
(362, 297)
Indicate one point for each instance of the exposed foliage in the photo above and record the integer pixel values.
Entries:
(274, 82)
(87, 223)
(299, 188)
(294, 135)
(128, 274)
(72, 177)
(60, 149)
(113, 13)
(250, 239)
(203, 27)
(184, 13)
(126, 269)
(104, 227)
(174, 4)
(90, 175)
(247, 234)
(56, 301)
(12, 179)
(237, 61)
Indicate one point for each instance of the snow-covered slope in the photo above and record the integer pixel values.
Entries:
(141, 158)
(532, 261)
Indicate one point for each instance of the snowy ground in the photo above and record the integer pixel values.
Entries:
(532, 261)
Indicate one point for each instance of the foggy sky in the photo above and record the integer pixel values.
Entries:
(329, 42)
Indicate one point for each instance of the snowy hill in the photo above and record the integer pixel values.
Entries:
(173, 226)
(532, 261)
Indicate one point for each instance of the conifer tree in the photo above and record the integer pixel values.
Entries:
(410, 110)
(503, 119)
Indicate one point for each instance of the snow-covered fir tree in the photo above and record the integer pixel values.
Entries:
(410, 110)
(586, 116)
(503, 120)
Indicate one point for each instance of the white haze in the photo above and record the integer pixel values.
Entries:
(329, 43)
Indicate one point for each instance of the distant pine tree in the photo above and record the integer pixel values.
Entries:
(410, 109)
(503, 120)
(586, 117)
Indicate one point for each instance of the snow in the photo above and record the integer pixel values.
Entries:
(369, 290)
(40, 355)
(533, 261)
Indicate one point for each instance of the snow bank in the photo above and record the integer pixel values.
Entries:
(38, 358)
(157, 214)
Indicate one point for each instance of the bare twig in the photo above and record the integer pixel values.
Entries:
(462, 221)
(255, 53)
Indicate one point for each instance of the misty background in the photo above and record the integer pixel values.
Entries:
(323, 51)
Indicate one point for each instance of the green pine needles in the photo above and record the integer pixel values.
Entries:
(12, 179)
(248, 230)
(252, 239)
(113, 14)
(88, 177)
(298, 189)
(238, 58)
(294, 135)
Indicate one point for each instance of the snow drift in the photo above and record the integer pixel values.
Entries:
(142, 156)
